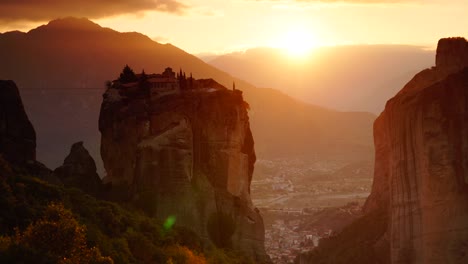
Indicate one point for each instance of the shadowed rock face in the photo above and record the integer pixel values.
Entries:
(189, 155)
(79, 170)
(17, 135)
(421, 167)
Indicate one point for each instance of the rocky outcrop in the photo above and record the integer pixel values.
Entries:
(452, 54)
(421, 167)
(17, 135)
(79, 170)
(188, 155)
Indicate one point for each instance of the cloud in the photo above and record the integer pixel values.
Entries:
(206, 11)
(41, 10)
(160, 39)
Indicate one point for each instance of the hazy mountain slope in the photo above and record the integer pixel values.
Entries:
(61, 69)
(283, 126)
(359, 78)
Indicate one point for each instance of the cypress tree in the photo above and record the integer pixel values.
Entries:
(127, 75)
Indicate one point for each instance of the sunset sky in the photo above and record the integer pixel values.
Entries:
(218, 26)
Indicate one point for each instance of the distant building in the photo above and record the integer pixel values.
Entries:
(163, 84)
(169, 73)
(166, 83)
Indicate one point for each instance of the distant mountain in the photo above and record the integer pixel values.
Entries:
(347, 78)
(61, 68)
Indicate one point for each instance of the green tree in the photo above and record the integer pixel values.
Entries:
(55, 238)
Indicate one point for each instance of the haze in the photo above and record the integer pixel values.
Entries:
(200, 26)
(239, 131)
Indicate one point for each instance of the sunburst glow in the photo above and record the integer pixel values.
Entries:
(298, 42)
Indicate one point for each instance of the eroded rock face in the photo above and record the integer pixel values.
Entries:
(79, 170)
(452, 54)
(189, 155)
(17, 135)
(421, 167)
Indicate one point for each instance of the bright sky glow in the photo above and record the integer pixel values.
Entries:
(297, 42)
(216, 26)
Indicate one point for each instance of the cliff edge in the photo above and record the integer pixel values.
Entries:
(186, 155)
(421, 163)
(17, 135)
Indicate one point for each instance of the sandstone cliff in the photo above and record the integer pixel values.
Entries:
(18, 147)
(421, 166)
(188, 155)
(17, 135)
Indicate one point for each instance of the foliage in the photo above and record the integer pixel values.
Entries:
(181, 254)
(218, 256)
(30, 207)
(127, 75)
(146, 201)
(143, 82)
(57, 238)
(4, 165)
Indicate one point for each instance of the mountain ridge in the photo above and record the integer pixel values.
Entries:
(66, 70)
(329, 76)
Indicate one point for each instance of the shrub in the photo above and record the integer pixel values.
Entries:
(56, 237)
(127, 75)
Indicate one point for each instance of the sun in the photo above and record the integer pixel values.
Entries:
(297, 42)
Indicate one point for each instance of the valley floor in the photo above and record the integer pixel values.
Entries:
(304, 201)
